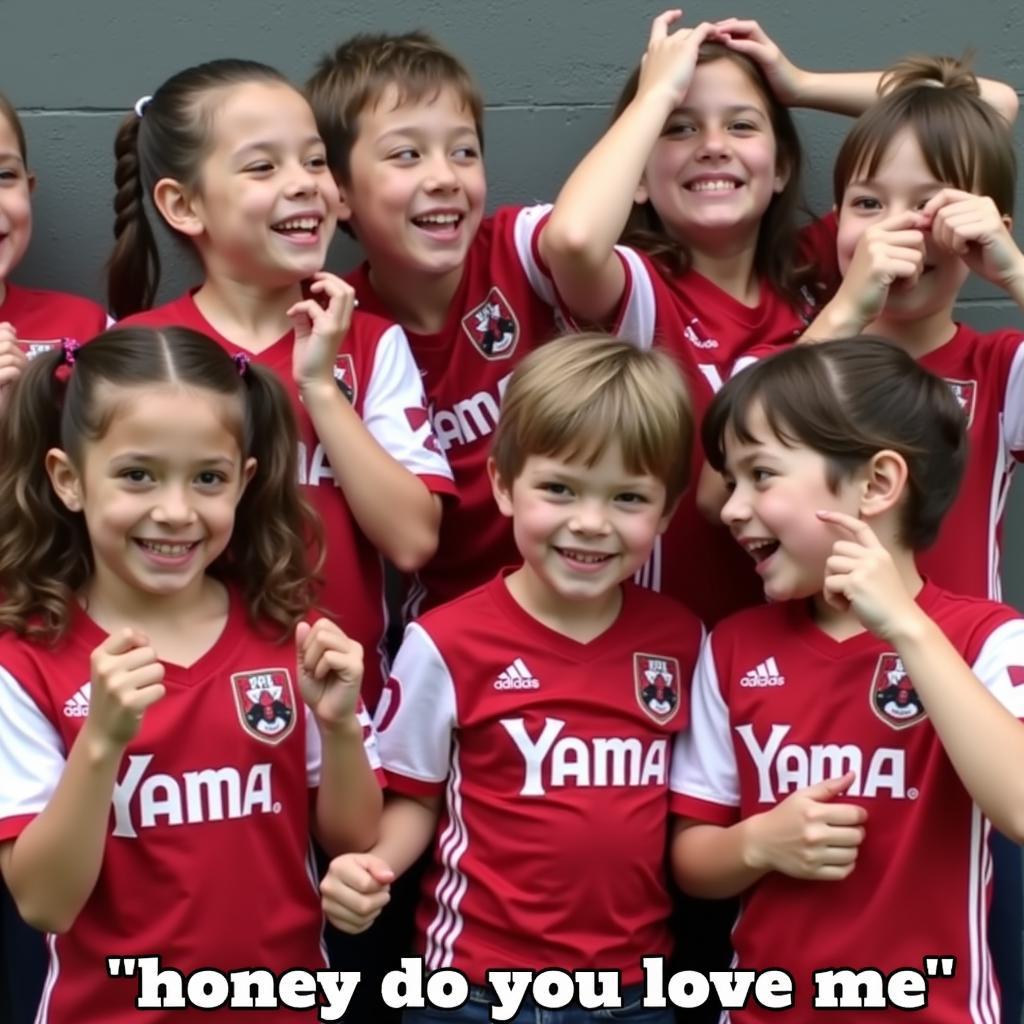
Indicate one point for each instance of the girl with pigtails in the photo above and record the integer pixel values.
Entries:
(230, 156)
(174, 723)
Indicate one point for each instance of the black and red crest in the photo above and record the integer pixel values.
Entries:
(492, 326)
(964, 391)
(656, 682)
(893, 697)
(266, 702)
(345, 375)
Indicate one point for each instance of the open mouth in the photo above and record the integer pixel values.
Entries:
(166, 549)
(298, 228)
(438, 222)
(584, 557)
(761, 550)
(713, 185)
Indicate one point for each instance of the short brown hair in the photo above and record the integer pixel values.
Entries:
(965, 142)
(849, 400)
(358, 73)
(8, 112)
(575, 396)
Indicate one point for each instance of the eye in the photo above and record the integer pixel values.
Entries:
(211, 478)
(555, 489)
(466, 152)
(679, 129)
(729, 482)
(135, 475)
(258, 167)
(868, 204)
(8, 174)
(632, 498)
(743, 126)
(317, 163)
(406, 155)
(761, 475)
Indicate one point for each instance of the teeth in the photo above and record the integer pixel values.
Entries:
(298, 224)
(585, 556)
(438, 218)
(166, 549)
(713, 186)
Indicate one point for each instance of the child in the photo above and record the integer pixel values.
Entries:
(700, 171)
(833, 772)
(155, 659)
(30, 320)
(526, 724)
(230, 155)
(402, 121)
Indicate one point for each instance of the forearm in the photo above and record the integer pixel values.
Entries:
(407, 829)
(840, 318)
(984, 742)
(52, 867)
(712, 861)
(349, 799)
(393, 507)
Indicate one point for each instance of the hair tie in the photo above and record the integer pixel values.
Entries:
(242, 362)
(69, 347)
(140, 105)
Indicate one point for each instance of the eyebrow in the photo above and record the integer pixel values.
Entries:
(310, 140)
(740, 108)
(216, 460)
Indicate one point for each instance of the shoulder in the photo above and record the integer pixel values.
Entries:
(750, 624)
(666, 612)
(456, 615)
(177, 313)
(969, 621)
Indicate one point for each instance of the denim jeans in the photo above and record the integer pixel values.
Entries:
(477, 1010)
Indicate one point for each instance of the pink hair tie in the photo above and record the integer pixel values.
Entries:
(70, 347)
(242, 362)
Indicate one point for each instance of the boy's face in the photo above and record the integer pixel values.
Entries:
(582, 529)
(775, 493)
(902, 183)
(416, 189)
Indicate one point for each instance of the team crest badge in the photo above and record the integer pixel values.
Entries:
(893, 697)
(345, 375)
(492, 326)
(964, 392)
(265, 702)
(37, 348)
(656, 680)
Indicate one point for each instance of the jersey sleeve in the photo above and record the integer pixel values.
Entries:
(704, 781)
(32, 757)
(1013, 402)
(314, 748)
(416, 717)
(395, 413)
(1000, 665)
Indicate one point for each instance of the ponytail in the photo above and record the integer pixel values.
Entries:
(133, 271)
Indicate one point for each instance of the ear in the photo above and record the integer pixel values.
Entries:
(344, 209)
(501, 490)
(782, 173)
(248, 472)
(883, 483)
(177, 206)
(1008, 222)
(64, 479)
(31, 182)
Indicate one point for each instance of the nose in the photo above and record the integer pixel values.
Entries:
(173, 506)
(303, 181)
(736, 510)
(589, 517)
(713, 142)
(441, 176)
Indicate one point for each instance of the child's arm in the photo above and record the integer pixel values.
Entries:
(357, 885)
(12, 362)
(392, 506)
(808, 836)
(348, 801)
(839, 92)
(982, 739)
(52, 866)
(578, 241)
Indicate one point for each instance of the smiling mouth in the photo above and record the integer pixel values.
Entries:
(298, 227)
(165, 548)
(438, 221)
(761, 550)
(714, 185)
(584, 557)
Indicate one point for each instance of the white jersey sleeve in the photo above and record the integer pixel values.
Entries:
(1013, 403)
(638, 312)
(1000, 665)
(527, 221)
(416, 716)
(314, 747)
(704, 758)
(32, 755)
(394, 408)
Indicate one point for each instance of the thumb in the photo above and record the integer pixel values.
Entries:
(301, 632)
(377, 869)
(829, 789)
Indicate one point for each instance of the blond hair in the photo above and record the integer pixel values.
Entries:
(575, 396)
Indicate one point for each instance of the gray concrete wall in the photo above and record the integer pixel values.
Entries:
(549, 70)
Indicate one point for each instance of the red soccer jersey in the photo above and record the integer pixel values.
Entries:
(986, 373)
(552, 758)
(42, 319)
(376, 372)
(505, 307)
(778, 705)
(207, 862)
(707, 330)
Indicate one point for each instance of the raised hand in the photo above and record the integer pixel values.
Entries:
(320, 328)
(668, 64)
(330, 671)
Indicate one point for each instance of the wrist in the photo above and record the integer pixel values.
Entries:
(910, 631)
(318, 391)
(800, 91)
(341, 730)
(101, 751)
(751, 852)
(839, 319)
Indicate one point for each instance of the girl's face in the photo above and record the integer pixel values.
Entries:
(265, 206)
(158, 490)
(15, 207)
(775, 491)
(713, 172)
(902, 182)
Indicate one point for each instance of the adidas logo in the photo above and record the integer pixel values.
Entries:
(517, 677)
(766, 674)
(78, 706)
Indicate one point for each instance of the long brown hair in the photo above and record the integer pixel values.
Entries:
(169, 139)
(776, 252)
(45, 551)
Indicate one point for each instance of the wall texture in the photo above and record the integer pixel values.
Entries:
(549, 70)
